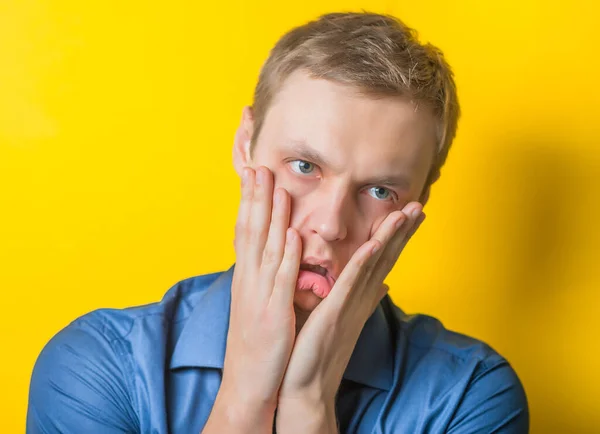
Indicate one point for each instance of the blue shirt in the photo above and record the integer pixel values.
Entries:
(157, 369)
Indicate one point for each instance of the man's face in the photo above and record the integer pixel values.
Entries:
(347, 161)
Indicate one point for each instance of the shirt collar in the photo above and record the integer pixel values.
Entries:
(203, 339)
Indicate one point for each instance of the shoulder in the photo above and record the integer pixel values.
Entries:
(84, 373)
(80, 379)
(104, 328)
(477, 387)
(426, 336)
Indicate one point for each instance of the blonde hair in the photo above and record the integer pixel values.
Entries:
(377, 54)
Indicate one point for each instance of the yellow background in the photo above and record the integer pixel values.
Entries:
(116, 127)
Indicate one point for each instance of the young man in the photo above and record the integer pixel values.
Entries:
(351, 123)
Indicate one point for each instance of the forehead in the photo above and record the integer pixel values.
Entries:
(388, 132)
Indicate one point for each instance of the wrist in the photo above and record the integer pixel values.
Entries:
(306, 415)
(235, 413)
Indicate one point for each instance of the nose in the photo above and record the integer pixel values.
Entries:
(331, 214)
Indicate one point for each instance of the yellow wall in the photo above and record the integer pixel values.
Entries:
(116, 125)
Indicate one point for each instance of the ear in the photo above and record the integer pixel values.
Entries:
(242, 140)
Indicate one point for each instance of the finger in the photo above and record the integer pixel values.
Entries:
(287, 275)
(351, 273)
(403, 225)
(391, 253)
(274, 247)
(260, 216)
(393, 228)
(392, 234)
(384, 290)
(392, 223)
(416, 226)
(379, 295)
(366, 258)
(244, 208)
(397, 224)
(399, 241)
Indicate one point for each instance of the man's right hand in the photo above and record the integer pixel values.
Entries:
(262, 320)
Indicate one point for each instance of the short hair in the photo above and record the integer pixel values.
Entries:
(375, 53)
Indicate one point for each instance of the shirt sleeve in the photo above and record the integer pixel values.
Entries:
(78, 386)
(494, 402)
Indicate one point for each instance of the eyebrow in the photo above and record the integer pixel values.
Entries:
(399, 182)
(304, 151)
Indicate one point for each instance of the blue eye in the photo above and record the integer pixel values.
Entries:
(301, 166)
(379, 193)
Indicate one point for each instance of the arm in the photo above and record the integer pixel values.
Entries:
(261, 321)
(495, 402)
(78, 386)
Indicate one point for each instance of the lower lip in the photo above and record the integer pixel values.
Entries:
(311, 281)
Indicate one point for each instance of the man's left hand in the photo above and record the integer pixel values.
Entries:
(324, 345)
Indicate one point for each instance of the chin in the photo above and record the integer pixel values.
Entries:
(306, 301)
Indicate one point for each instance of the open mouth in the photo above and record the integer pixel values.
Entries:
(314, 268)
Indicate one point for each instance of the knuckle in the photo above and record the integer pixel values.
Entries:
(270, 257)
(363, 262)
(286, 261)
(247, 190)
(369, 267)
(256, 233)
(237, 245)
(240, 228)
(247, 230)
(258, 191)
(282, 277)
(387, 263)
(247, 194)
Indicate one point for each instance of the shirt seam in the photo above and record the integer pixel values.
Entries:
(494, 357)
(119, 352)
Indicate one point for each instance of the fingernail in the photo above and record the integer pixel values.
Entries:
(415, 212)
(399, 223)
(244, 176)
(260, 177)
(278, 197)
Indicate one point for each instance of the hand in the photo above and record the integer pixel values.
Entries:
(325, 343)
(262, 320)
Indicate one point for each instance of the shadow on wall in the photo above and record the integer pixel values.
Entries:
(546, 253)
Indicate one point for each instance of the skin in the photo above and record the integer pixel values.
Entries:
(288, 349)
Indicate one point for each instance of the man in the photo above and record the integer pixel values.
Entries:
(351, 123)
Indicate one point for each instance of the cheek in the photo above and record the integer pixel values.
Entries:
(378, 213)
(377, 219)
(294, 186)
(298, 192)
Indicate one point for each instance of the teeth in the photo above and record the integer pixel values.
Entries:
(315, 268)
